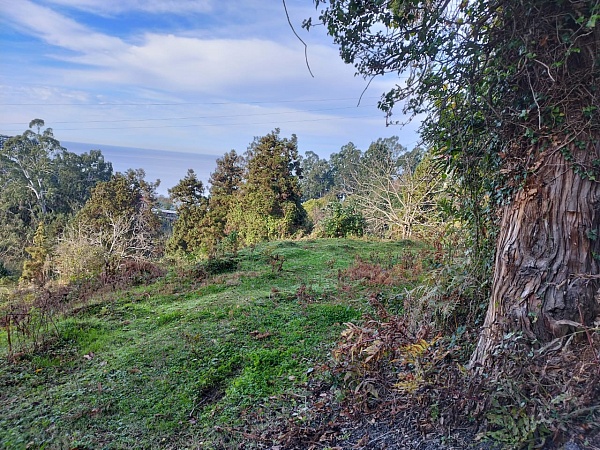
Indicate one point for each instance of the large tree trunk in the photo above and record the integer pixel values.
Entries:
(546, 276)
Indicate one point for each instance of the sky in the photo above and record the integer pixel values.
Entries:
(190, 76)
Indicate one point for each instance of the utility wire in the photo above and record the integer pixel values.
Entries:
(184, 103)
(211, 125)
(198, 117)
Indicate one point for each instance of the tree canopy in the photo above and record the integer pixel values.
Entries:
(269, 204)
(40, 181)
(510, 96)
(119, 218)
(191, 206)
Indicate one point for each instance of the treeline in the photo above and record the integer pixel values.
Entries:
(272, 193)
(252, 198)
(68, 217)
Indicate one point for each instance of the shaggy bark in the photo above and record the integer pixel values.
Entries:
(546, 278)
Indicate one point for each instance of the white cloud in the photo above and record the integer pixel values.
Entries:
(159, 61)
(235, 66)
(115, 7)
(56, 29)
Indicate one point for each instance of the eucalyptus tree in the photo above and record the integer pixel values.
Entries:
(41, 181)
(26, 161)
(510, 92)
(74, 176)
(317, 176)
(343, 165)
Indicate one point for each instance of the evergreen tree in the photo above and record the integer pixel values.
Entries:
(41, 181)
(225, 184)
(317, 176)
(34, 270)
(73, 178)
(191, 206)
(269, 205)
(26, 163)
(343, 165)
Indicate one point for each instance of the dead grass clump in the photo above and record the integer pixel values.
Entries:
(530, 396)
(27, 315)
(384, 357)
(132, 272)
(378, 274)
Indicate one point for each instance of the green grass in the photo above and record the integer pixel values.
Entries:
(163, 365)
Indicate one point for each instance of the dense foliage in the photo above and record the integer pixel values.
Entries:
(119, 218)
(251, 200)
(510, 96)
(192, 206)
(41, 182)
(269, 205)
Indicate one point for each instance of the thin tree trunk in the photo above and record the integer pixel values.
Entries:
(546, 270)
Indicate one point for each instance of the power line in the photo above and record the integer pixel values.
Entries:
(199, 117)
(183, 103)
(214, 124)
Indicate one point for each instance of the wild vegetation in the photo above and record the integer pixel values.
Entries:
(287, 303)
(195, 358)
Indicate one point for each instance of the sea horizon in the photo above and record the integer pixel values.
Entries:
(167, 166)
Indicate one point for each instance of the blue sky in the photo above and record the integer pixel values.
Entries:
(196, 76)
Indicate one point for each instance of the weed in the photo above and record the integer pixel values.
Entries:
(276, 260)
(305, 294)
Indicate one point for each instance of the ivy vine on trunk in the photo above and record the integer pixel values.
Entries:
(511, 89)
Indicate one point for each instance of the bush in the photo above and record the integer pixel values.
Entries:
(316, 209)
(343, 220)
(132, 272)
(223, 264)
(76, 260)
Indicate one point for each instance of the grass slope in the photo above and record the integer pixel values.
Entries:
(172, 364)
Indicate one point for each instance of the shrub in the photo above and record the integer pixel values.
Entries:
(35, 269)
(343, 220)
(76, 260)
(132, 272)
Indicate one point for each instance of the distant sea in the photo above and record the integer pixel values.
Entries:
(168, 167)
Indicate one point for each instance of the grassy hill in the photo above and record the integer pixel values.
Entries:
(202, 350)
